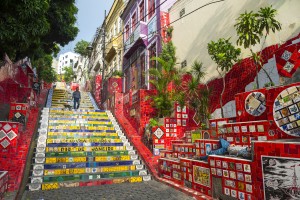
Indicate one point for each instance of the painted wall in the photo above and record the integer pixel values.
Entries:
(192, 33)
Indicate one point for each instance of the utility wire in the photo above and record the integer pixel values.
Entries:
(123, 32)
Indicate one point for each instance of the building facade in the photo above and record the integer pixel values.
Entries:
(142, 40)
(66, 60)
(114, 47)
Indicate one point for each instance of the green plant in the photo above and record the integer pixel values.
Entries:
(81, 48)
(161, 76)
(44, 68)
(68, 74)
(224, 54)
(196, 93)
(153, 122)
(31, 27)
(118, 73)
(250, 27)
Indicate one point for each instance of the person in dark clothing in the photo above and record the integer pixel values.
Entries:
(226, 147)
(76, 97)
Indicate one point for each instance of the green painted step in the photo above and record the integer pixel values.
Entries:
(86, 177)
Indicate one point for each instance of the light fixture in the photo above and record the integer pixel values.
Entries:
(89, 48)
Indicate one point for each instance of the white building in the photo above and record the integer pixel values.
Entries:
(80, 69)
(66, 60)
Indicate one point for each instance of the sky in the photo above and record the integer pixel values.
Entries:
(89, 17)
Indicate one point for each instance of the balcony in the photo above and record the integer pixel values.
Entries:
(140, 32)
(111, 48)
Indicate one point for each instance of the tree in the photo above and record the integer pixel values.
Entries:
(250, 27)
(161, 77)
(267, 22)
(197, 93)
(69, 74)
(224, 54)
(36, 27)
(81, 48)
(44, 69)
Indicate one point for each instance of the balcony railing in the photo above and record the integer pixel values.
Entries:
(140, 32)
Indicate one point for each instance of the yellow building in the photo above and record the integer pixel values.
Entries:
(114, 39)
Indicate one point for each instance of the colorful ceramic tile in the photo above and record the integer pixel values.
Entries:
(247, 168)
(260, 128)
(241, 186)
(236, 129)
(218, 163)
(240, 176)
(201, 175)
(241, 195)
(252, 128)
(233, 193)
(213, 171)
(212, 163)
(248, 178)
(227, 191)
(219, 172)
(244, 129)
(231, 166)
(225, 173)
(239, 167)
(232, 174)
(249, 188)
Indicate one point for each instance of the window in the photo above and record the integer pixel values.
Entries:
(116, 28)
(127, 79)
(120, 24)
(183, 64)
(143, 71)
(152, 53)
(151, 8)
(152, 63)
(182, 12)
(126, 32)
(142, 11)
(133, 22)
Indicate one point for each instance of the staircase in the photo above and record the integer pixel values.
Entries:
(82, 148)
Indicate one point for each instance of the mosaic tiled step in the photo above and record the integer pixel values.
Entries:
(96, 176)
(88, 133)
(92, 144)
(75, 117)
(93, 153)
(83, 140)
(90, 164)
(81, 128)
(37, 185)
(77, 148)
(53, 160)
(70, 122)
(71, 118)
(81, 136)
(80, 111)
(90, 129)
(38, 170)
(101, 148)
(78, 125)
